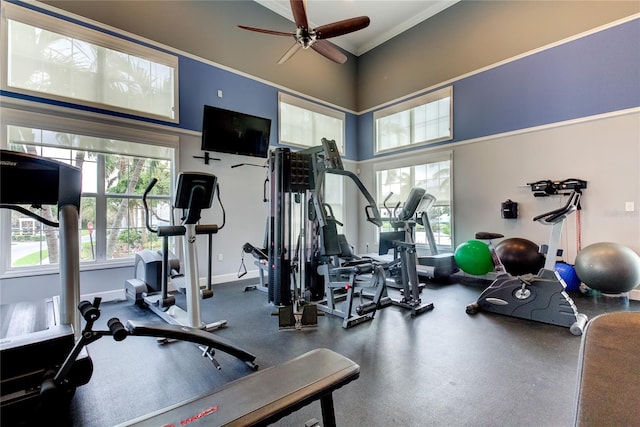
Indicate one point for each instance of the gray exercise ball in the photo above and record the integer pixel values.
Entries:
(610, 268)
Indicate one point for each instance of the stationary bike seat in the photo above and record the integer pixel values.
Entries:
(485, 235)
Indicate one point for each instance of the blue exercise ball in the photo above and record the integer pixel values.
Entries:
(568, 274)
(608, 267)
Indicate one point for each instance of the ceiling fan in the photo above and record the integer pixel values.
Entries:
(315, 38)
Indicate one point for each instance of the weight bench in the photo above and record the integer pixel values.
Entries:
(608, 387)
(266, 396)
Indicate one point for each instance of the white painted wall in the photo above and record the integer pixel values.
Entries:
(241, 192)
(604, 151)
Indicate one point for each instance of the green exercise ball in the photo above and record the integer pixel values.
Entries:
(474, 257)
(610, 268)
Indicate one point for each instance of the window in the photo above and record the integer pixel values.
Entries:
(115, 173)
(422, 120)
(304, 124)
(334, 195)
(57, 59)
(434, 175)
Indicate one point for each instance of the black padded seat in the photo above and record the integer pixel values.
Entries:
(608, 388)
(265, 396)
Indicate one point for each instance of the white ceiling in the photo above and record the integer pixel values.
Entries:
(388, 17)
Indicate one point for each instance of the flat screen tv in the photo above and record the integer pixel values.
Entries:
(232, 132)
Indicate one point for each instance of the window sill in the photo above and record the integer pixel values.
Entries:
(51, 270)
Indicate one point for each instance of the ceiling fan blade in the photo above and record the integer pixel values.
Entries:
(342, 27)
(289, 53)
(329, 51)
(299, 9)
(260, 30)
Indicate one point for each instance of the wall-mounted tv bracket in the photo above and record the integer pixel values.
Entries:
(206, 157)
(248, 164)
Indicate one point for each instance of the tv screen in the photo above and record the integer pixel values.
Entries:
(232, 132)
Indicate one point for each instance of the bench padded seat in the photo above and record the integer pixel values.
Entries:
(608, 389)
(265, 396)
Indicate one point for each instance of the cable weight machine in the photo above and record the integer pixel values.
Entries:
(312, 274)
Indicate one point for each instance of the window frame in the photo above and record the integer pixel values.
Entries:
(63, 120)
(423, 100)
(100, 38)
(314, 108)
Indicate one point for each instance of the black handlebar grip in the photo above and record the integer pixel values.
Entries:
(147, 216)
(152, 184)
(171, 230)
(372, 218)
(117, 329)
(88, 311)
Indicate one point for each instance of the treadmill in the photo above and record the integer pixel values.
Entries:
(37, 336)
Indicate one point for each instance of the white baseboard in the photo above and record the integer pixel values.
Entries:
(634, 294)
(106, 296)
(230, 277)
(118, 295)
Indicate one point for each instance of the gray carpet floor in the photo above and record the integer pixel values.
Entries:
(441, 368)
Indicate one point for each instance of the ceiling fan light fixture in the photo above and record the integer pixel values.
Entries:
(305, 37)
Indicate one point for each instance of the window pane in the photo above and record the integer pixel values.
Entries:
(420, 120)
(303, 123)
(113, 232)
(130, 176)
(48, 62)
(435, 179)
(296, 121)
(33, 243)
(160, 210)
(333, 194)
(120, 242)
(88, 233)
(394, 130)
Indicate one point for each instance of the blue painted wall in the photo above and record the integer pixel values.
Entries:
(199, 85)
(596, 74)
(592, 75)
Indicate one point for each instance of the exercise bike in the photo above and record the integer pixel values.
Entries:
(541, 297)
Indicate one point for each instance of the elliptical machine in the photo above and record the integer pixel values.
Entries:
(541, 297)
(150, 287)
(403, 270)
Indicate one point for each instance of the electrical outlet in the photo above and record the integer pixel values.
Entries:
(219, 93)
(220, 257)
(629, 207)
